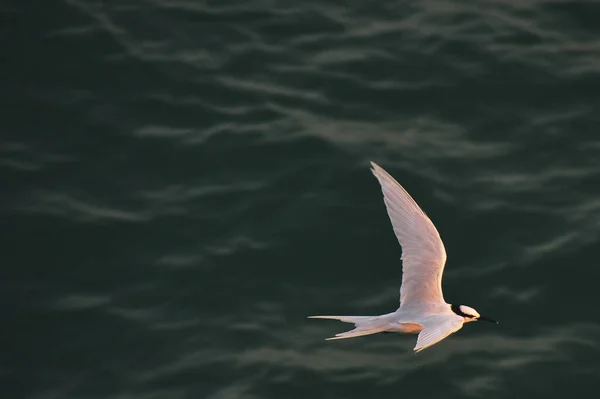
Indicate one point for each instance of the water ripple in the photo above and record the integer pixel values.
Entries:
(199, 175)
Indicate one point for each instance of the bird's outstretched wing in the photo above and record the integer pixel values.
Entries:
(423, 253)
(436, 329)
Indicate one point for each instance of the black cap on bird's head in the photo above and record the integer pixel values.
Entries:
(469, 313)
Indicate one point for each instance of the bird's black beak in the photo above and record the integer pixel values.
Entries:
(486, 319)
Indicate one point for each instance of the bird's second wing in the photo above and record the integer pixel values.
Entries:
(436, 329)
(423, 253)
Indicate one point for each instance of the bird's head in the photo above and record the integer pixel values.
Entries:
(469, 314)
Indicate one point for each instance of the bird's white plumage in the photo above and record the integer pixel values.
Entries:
(423, 253)
(469, 311)
(436, 329)
(422, 309)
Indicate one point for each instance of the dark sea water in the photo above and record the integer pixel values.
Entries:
(184, 182)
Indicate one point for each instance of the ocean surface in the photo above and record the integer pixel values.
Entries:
(185, 181)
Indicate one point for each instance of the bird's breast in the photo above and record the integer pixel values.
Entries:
(408, 328)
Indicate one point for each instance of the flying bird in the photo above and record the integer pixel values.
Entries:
(423, 309)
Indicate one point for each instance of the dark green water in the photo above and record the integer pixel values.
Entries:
(183, 182)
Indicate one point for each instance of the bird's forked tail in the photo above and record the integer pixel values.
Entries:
(364, 325)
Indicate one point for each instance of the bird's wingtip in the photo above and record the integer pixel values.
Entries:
(375, 168)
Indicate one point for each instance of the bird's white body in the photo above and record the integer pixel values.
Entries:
(423, 309)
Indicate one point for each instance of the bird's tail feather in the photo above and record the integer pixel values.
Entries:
(364, 325)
